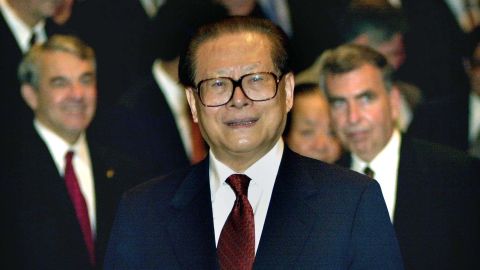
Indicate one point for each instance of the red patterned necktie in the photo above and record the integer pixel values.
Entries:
(236, 245)
(79, 204)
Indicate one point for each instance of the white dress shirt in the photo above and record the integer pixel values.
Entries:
(151, 6)
(385, 166)
(262, 173)
(474, 118)
(81, 163)
(21, 31)
(176, 99)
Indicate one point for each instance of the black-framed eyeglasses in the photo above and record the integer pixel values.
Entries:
(259, 86)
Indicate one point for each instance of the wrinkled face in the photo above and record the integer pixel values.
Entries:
(363, 112)
(311, 133)
(241, 131)
(65, 100)
(474, 71)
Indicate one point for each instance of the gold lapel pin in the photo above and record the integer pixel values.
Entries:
(110, 173)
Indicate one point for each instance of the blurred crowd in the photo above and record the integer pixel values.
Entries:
(107, 86)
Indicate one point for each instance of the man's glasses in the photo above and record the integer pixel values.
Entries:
(260, 86)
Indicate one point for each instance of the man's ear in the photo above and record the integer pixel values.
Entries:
(289, 88)
(395, 102)
(30, 96)
(189, 92)
(467, 66)
(362, 39)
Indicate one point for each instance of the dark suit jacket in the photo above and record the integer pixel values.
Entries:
(43, 231)
(144, 127)
(320, 217)
(443, 121)
(316, 26)
(12, 105)
(435, 46)
(437, 212)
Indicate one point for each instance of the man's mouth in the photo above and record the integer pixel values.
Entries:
(357, 135)
(241, 122)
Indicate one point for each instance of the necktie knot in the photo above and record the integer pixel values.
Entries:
(33, 39)
(239, 183)
(369, 172)
(69, 156)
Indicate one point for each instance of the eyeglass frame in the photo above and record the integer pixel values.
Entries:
(238, 83)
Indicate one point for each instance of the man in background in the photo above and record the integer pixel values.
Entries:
(62, 189)
(432, 193)
(455, 121)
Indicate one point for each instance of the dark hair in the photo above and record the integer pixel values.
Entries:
(380, 24)
(348, 57)
(237, 24)
(300, 89)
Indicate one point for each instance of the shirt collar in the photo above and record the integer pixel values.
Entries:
(263, 172)
(20, 30)
(382, 159)
(474, 117)
(58, 146)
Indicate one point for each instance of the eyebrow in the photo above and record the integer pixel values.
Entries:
(366, 92)
(56, 78)
(88, 73)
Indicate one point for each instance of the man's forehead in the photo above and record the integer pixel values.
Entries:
(233, 52)
(365, 74)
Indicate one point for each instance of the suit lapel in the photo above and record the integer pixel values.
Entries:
(104, 196)
(191, 228)
(411, 185)
(289, 218)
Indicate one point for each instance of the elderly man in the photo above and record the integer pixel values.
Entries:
(432, 193)
(62, 188)
(252, 203)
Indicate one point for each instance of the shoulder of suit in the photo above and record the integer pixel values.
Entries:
(441, 160)
(324, 173)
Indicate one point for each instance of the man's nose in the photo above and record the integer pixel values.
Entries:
(239, 98)
(353, 113)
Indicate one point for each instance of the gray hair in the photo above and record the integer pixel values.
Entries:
(348, 57)
(29, 68)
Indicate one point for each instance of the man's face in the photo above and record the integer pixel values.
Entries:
(241, 131)
(65, 100)
(310, 133)
(363, 112)
(393, 50)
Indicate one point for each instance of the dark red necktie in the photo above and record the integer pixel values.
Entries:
(236, 245)
(79, 204)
